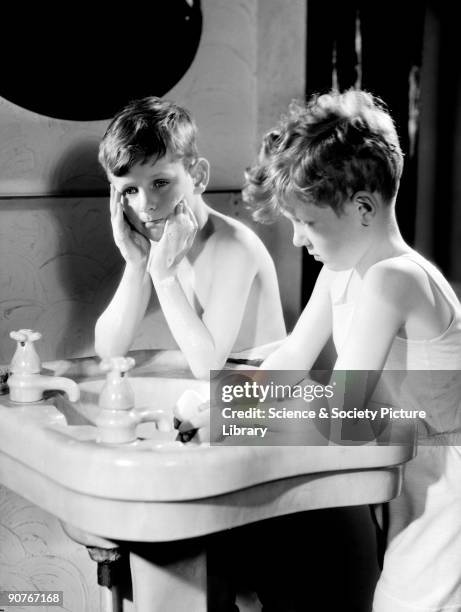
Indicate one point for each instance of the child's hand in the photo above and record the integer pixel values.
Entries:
(192, 417)
(199, 417)
(132, 245)
(179, 234)
(196, 425)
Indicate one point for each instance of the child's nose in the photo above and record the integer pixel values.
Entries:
(147, 201)
(299, 236)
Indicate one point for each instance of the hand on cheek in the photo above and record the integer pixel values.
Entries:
(178, 237)
(133, 247)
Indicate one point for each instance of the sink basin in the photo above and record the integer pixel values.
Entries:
(158, 489)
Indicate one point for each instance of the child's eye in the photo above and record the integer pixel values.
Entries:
(161, 183)
(129, 191)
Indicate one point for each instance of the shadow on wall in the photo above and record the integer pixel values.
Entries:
(78, 171)
(59, 266)
(86, 266)
(87, 271)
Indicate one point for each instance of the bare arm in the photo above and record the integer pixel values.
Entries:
(302, 347)
(207, 341)
(387, 298)
(116, 327)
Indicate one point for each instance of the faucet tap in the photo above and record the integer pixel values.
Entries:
(118, 419)
(26, 384)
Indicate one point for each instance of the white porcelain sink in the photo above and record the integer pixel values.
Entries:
(157, 489)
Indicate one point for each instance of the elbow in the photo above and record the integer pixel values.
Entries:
(107, 344)
(105, 350)
(102, 350)
(207, 368)
(101, 341)
(99, 347)
(200, 373)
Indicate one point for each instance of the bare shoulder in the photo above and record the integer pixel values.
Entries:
(231, 236)
(396, 279)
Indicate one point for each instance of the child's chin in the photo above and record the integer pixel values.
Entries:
(154, 233)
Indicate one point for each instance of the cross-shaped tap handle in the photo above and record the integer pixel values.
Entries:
(117, 364)
(25, 335)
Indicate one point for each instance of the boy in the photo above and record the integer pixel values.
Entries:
(332, 168)
(214, 279)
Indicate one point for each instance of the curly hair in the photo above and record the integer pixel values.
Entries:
(145, 128)
(323, 152)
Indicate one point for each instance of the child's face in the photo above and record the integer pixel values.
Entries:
(336, 241)
(151, 192)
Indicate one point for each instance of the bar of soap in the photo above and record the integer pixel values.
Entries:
(187, 405)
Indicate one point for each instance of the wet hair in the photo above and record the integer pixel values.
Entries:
(145, 128)
(323, 152)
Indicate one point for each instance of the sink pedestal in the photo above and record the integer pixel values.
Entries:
(169, 577)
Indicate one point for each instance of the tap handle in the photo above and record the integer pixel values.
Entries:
(25, 335)
(25, 360)
(116, 393)
(117, 364)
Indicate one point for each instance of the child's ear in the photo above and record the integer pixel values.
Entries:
(200, 173)
(366, 206)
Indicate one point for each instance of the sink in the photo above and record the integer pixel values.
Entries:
(158, 489)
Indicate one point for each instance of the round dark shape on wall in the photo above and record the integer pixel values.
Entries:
(68, 62)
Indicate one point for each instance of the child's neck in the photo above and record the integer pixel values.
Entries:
(385, 243)
(201, 212)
